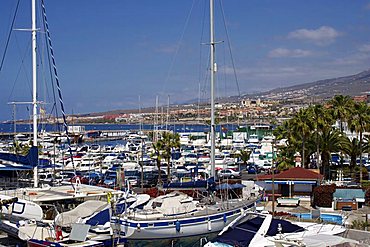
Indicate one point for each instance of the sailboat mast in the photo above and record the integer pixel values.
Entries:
(34, 85)
(213, 71)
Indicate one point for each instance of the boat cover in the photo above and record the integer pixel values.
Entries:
(242, 234)
(191, 184)
(329, 240)
(209, 183)
(30, 160)
(84, 210)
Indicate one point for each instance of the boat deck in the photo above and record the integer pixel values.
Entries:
(205, 210)
(64, 192)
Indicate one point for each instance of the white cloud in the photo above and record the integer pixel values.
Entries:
(364, 48)
(358, 58)
(167, 49)
(283, 52)
(322, 36)
(266, 72)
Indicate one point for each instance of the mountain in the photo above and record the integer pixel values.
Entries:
(353, 85)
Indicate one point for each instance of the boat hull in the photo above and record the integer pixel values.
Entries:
(177, 228)
(42, 243)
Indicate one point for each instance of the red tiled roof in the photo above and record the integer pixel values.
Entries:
(296, 173)
(264, 177)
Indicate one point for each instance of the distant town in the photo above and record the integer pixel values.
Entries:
(271, 109)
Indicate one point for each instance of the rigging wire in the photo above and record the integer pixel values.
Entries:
(57, 82)
(178, 45)
(229, 45)
(54, 107)
(46, 94)
(9, 35)
(224, 74)
(201, 90)
(26, 52)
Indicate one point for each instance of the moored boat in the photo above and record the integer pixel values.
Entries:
(177, 215)
(261, 230)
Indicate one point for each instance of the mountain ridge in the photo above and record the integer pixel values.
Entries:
(352, 85)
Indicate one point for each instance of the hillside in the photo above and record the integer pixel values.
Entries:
(358, 84)
(352, 85)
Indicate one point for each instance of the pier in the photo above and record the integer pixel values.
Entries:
(88, 136)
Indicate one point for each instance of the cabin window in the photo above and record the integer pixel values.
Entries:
(18, 207)
(156, 204)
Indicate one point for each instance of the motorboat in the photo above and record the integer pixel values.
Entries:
(43, 204)
(262, 229)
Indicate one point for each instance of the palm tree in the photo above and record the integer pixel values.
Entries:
(284, 165)
(302, 126)
(341, 108)
(244, 156)
(353, 150)
(293, 141)
(321, 121)
(331, 141)
(359, 122)
(169, 141)
(158, 147)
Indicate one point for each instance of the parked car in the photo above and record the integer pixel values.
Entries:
(67, 175)
(151, 178)
(229, 173)
(110, 178)
(133, 177)
(92, 178)
(253, 169)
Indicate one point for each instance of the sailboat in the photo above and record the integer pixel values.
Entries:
(30, 207)
(177, 215)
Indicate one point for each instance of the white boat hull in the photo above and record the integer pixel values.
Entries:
(176, 228)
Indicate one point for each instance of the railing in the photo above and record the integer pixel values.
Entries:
(14, 183)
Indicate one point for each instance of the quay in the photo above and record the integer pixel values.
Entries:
(87, 136)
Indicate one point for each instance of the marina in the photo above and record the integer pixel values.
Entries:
(185, 176)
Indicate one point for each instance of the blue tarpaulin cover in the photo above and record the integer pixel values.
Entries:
(27, 162)
(242, 234)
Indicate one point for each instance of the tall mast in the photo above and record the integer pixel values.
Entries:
(168, 111)
(213, 71)
(156, 119)
(34, 85)
(140, 124)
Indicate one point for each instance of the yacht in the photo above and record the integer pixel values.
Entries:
(177, 215)
(262, 230)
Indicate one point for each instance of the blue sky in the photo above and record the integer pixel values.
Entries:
(110, 52)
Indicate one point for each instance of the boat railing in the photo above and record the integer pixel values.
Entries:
(13, 183)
